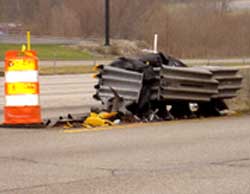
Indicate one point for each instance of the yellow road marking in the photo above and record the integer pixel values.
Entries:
(94, 129)
(137, 125)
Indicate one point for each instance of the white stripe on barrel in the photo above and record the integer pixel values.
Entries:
(22, 100)
(21, 76)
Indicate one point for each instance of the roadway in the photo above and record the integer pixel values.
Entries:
(190, 156)
(62, 94)
(58, 63)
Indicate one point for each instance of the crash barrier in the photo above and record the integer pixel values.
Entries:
(21, 88)
(187, 84)
(229, 81)
(155, 89)
(116, 82)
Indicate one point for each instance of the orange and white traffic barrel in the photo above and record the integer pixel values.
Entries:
(22, 91)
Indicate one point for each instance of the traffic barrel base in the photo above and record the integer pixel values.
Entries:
(24, 126)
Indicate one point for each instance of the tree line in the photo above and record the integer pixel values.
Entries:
(189, 28)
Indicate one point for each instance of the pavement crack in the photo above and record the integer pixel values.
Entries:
(124, 171)
(234, 163)
(44, 185)
(19, 159)
(27, 160)
(242, 162)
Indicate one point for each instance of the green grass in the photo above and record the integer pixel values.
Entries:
(50, 52)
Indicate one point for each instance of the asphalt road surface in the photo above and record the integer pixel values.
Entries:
(62, 94)
(208, 156)
(68, 63)
(59, 63)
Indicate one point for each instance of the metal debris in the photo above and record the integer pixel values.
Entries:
(156, 88)
(165, 81)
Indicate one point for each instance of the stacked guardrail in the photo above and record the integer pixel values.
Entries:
(187, 84)
(155, 89)
(116, 81)
(170, 85)
(229, 81)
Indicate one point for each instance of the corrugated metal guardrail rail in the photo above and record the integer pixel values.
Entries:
(126, 83)
(155, 89)
(229, 81)
(187, 84)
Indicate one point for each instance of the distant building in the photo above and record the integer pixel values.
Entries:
(240, 4)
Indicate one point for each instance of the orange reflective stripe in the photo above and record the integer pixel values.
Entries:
(15, 54)
(21, 88)
(22, 115)
(23, 64)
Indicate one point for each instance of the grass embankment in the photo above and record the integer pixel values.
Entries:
(50, 52)
(54, 52)
(62, 52)
(242, 101)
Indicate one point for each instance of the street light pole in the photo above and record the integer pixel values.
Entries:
(107, 21)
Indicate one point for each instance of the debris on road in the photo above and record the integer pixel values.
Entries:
(99, 120)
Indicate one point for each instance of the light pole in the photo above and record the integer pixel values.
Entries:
(107, 21)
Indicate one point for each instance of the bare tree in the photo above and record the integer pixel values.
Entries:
(225, 5)
(187, 28)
